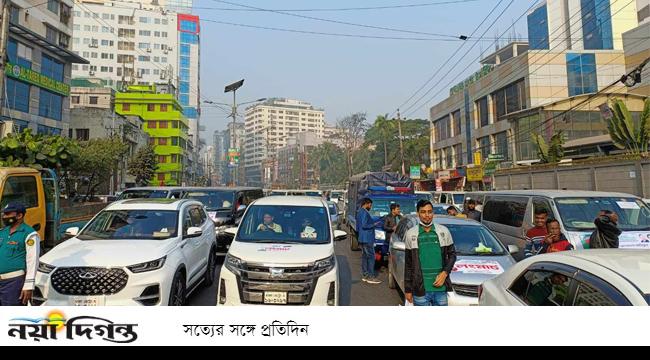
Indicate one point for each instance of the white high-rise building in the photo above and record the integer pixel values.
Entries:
(270, 124)
(140, 43)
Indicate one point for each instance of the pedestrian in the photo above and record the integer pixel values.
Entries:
(555, 241)
(471, 211)
(607, 232)
(19, 252)
(366, 235)
(392, 220)
(430, 257)
(535, 236)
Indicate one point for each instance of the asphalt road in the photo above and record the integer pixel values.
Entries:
(353, 291)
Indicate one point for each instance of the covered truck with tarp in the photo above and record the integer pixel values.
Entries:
(384, 189)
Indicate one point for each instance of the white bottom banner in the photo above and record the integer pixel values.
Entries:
(275, 325)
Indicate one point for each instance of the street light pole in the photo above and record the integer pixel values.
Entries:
(233, 88)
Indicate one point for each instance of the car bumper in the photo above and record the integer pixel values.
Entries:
(461, 300)
(150, 288)
(321, 293)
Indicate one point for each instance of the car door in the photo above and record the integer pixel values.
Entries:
(189, 247)
(200, 244)
(505, 216)
(544, 284)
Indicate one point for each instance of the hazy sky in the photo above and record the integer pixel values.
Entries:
(343, 75)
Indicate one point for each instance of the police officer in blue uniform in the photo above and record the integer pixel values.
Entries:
(19, 251)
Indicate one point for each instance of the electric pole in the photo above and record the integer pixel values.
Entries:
(401, 144)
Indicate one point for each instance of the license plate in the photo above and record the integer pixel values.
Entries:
(275, 297)
(88, 301)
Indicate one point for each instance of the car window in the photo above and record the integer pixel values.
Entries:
(195, 216)
(542, 204)
(509, 210)
(588, 295)
(187, 221)
(542, 288)
(443, 199)
(22, 189)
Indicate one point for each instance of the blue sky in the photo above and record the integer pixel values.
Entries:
(343, 75)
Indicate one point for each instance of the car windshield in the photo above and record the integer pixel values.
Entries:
(214, 200)
(424, 197)
(459, 198)
(144, 194)
(381, 207)
(647, 298)
(312, 193)
(332, 208)
(285, 225)
(472, 240)
(578, 214)
(440, 210)
(132, 225)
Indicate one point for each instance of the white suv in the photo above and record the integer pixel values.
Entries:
(282, 254)
(134, 252)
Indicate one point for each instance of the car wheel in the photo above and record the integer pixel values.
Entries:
(177, 293)
(392, 284)
(211, 271)
(354, 242)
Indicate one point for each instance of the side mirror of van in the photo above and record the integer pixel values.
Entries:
(513, 249)
(231, 231)
(340, 235)
(71, 232)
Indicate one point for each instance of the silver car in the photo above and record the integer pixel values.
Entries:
(480, 257)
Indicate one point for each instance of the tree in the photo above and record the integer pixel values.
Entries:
(549, 153)
(352, 129)
(38, 151)
(327, 159)
(143, 165)
(415, 136)
(625, 134)
(98, 160)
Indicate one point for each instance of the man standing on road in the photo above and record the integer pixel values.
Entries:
(536, 235)
(366, 235)
(606, 234)
(430, 257)
(471, 212)
(19, 251)
(392, 220)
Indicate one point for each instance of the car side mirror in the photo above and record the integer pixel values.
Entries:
(513, 249)
(194, 232)
(399, 245)
(340, 235)
(340, 212)
(231, 231)
(73, 231)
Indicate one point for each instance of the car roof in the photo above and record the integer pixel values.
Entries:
(632, 264)
(560, 193)
(291, 201)
(150, 204)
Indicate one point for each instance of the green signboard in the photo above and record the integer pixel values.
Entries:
(486, 69)
(496, 157)
(490, 168)
(38, 79)
(415, 172)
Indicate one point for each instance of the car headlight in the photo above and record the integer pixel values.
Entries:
(234, 264)
(380, 235)
(325, 265)
(45, 268)
(147, 266)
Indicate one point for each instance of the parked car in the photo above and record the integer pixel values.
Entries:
(601, 277)
(509, 214)
(225, 206)
(283, 254)
(334, 214)
(134, 252)
(456, 198)
(153, 192)
(480, 256)
(440, 209)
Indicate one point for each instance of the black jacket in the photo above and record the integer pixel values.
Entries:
(474, 215)
(606, 234)
(413, 278)
(390, 222)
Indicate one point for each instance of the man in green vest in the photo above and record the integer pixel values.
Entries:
(19, 251)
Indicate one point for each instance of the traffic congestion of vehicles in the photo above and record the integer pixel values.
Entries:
(159, 245)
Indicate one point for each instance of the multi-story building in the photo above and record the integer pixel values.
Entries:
(636, 43)
(36, 81)
(233, 138)
(141, 43)
(643, 8)
(575, 49)
(93, 116)
(167, 129)
(294, 170)
(268, 127)
(220, 149)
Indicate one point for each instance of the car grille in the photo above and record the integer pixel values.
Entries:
(298, 282)
(87, 281)
(466, 290)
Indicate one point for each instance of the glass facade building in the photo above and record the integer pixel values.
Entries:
(581, 74)
(597, 25)
(538, 37)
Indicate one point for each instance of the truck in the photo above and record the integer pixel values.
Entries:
(384, 189)
(39, 192)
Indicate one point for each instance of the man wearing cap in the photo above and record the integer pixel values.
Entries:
(19, 251)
